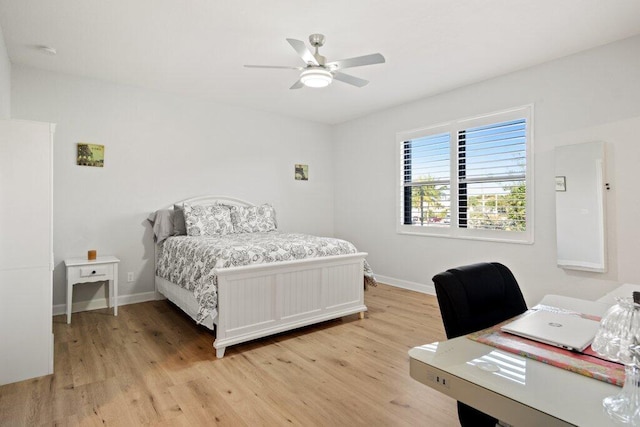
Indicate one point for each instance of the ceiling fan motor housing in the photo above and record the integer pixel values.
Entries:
(316, 40)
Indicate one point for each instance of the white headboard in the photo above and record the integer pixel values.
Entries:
(212, 200)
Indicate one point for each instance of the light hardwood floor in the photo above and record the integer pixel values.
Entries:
(153, 365)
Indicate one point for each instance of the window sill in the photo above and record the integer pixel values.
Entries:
(482, 235)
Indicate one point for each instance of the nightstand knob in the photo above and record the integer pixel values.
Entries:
(93, 272)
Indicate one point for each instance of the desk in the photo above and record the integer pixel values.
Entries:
(81, 270)
(523, 393)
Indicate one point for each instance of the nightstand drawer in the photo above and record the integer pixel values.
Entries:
(95, 271)
(90, 273)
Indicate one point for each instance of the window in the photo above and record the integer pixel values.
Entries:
(470, 178)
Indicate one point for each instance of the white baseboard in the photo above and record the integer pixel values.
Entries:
(405, 284)
(98, 303)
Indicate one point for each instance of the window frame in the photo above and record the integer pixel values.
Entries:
(453, 127)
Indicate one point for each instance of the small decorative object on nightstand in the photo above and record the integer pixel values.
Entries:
(82, 270)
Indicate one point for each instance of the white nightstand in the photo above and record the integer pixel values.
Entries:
(81, 270)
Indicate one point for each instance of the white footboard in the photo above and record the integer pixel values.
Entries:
(259, 300)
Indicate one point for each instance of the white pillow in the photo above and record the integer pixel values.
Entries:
(253, 219)
(212, 220)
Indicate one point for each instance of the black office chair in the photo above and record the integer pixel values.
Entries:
(475, 297)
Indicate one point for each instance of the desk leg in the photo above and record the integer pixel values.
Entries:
(115, 289)
(69, 298)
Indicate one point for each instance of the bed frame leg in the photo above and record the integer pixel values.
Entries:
(220, 352)
(361, 314)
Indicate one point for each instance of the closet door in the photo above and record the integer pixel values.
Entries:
(26, 260)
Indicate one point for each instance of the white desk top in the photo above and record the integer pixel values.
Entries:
(565, 395)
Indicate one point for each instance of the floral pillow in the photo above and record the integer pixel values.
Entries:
(207, 220)
(253, 219)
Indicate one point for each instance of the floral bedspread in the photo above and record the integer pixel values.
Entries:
(188, 261)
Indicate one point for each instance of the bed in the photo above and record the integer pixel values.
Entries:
(248, 280)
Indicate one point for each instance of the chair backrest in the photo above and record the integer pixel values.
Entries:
(477, 296)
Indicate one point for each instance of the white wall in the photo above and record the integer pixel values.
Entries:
(590, 96)
(161, 148)
(5, 80)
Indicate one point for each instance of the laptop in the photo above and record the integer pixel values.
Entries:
(562, 330)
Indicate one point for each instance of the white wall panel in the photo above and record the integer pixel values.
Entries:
(25, 329)
(300, 293)
(25, 187)
(251, 302)
(26, 338)
(337, 294)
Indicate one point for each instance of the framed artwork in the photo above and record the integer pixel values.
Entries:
(302, 172)
(90, 155)
(561, 183)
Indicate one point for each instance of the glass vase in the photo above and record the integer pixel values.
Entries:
(624, 407)
(618, 339)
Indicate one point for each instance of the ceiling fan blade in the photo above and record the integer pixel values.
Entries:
(274, 66)
(374, 58)
(352, 80)
(302, 50)
(297, 85)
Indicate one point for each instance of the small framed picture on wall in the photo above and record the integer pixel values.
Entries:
(90, 155)
(301, 172)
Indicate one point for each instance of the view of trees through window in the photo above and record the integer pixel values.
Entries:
(504, 210)
(499, 210)
(430, 204)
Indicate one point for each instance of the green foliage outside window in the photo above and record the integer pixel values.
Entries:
(427, 198)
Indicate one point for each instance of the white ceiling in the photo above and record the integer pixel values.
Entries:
(198, 47)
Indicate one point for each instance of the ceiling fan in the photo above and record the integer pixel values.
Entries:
(318, 72)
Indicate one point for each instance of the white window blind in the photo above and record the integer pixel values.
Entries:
(470, 178)
(491, 176)
(427, 180)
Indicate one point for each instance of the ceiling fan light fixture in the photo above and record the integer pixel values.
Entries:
(319, 73)
(316, 77)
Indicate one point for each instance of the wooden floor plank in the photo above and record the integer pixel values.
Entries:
(152, 365)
